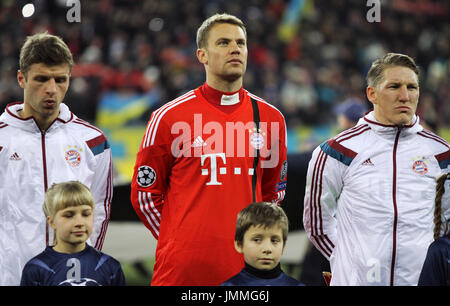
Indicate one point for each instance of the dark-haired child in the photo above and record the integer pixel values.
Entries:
(261, 234)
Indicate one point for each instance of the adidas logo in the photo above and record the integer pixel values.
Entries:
(15, 156)
(368, 162)
(198, 142)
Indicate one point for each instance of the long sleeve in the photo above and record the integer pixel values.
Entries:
(323, 186)
(274, 167)
(151, 173)
(101, 188)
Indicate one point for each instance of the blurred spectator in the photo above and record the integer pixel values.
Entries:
(298, 96)
(349, 112)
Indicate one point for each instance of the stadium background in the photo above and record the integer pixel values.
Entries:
(305, 57)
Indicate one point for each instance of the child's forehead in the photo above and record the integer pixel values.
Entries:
(274, 229)
(76, 207)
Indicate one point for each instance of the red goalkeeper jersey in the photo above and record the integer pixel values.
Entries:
(197, 167)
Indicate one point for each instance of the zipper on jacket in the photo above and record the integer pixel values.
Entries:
(394, 200)
(44, 167)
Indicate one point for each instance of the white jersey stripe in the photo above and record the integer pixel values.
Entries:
(158, 114)
(143, 205)
(150, 207)
(155, 115)
(162, 114)
(153, 211)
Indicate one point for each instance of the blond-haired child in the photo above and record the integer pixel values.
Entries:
(70, 261)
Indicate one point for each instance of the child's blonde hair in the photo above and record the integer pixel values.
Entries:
(67, 194)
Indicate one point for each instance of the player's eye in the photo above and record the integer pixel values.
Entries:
(87, 213)
(41, 78)
(60, 79)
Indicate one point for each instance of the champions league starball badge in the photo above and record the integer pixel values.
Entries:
(146, 176)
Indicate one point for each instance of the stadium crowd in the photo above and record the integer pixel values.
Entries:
(143, 46)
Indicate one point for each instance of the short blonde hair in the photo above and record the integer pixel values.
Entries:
(203, 30)
(67, 194)
(375, 74)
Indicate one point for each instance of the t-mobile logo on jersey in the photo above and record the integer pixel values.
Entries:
(214, 169)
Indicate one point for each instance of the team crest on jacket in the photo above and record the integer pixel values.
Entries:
(420, 167)
(72, 156)
(146, 176)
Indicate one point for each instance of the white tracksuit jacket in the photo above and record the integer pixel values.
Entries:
(369, 201)
(30, 162)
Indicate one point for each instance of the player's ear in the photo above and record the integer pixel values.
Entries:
(50, 222)
(371, 94)
(202, 56)
(238, 247)
(21, 78)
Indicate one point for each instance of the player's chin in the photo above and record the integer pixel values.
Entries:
(404, 118)
(78, 237)
(49, 111)
(266, 265)
(233, 75)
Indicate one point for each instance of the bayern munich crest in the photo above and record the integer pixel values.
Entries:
(256, 139)
(73, 157)
(146, 176)
(420, 167)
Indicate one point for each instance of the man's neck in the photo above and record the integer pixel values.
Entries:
(42, 123)
(225, 86)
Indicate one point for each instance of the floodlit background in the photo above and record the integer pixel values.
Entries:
(305, 57)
